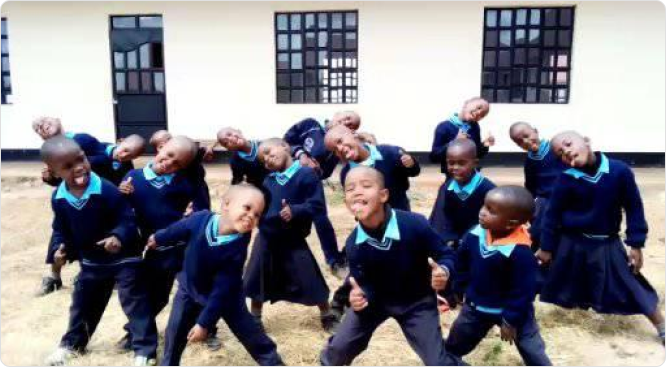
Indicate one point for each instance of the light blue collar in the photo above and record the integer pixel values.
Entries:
(539, 155)
(283, 177)
(69, 135)
(603, 168)
(109, 153)
(252, 156)
(391, 233)
(214, 239)
(158, 181)
(488, 251)
(460, 124)
(467, 190)
(375, 155)
(94, 188)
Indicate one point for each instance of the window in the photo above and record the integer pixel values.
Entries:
(316, 57)
(527, 55)
(6, 77)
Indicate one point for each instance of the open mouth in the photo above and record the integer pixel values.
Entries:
(358, 206)
(81, 180)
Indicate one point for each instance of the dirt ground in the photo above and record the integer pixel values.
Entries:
(31, 327)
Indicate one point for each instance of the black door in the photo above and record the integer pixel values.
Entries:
(137, 60)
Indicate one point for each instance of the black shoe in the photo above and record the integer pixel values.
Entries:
(330, 322)
(213, 343)
(125, 343)
(49, 285)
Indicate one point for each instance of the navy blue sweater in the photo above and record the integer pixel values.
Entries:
(592, 205)
(247, 167)
(394, 269)
(305, 195)
(213, 270)
(101, 212)
(445, 133)
(156, 208)
(496, 279)
(308, 136)
(396, 176)
(541, 170)
(108, 168)
(452, 216)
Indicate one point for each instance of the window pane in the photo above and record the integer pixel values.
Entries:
(4, 28)
(336, 21)
(549, 38)
(545, 95)
(4, 46)
(283, 96)
(519, 56)
(283, 80)
(150, 22)
(487, 94)
(488, 78)
(323, 20)
(310, 78)
(158, 78)
(282, 23)
(144, 52)
(533, 56)
(350, 40)
(563, 59)
(517, 94)
(133, 81)
(131, 60)
(504, 78)
(491, 38)
(5, 63)
(566, 17)
(323, 58)
(564, 38)
(505, 18)
(323, 95)
(562, 96)
(491, 18)
(489, 59)
(296, 79)
(6, 82)
(296, 61)
(157, 55)
(562, 78)
(297, 96)
(350, 20)
(310, 95)
(520, 36)
(120, 82)
(505, 38)
(295, 22)
(546, 78)
(323, 39)
(530, 94)
(309, 21)
(548, 58)
(336, 60)
(123, 22)
(283, 42)
(336, 40)
(535, 37)
(504, 58)
(283, 61)
(518, 76)
(350, 60)
(146, 82)
(323, 77)
(551, 17)
(295, 41)
(310, 59)
(535, 19)
(503, 95)
(521, 17)
(532, 75)
(310, 40)
(119, 60)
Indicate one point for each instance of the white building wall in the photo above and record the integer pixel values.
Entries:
(417, 63)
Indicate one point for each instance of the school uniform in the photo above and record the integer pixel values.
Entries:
(447, 131)
(281, 266)
(386, 159)
(457, 207)
(247, 167)
(159, 201)
(80, 223)
(307, 137)
(196, 173)
(109, 168)
(393, 271)
(581, 228)
(91, 147)
(499, 280)
(210, 288)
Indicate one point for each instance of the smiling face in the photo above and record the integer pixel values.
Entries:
(72, 166)
(525, 136)
(47, 127)
(475, 110)
(276, 155)
(461, 161)
(344, 144)
(573, 149)
(175, 155)
(231, 139)
(130, 148)
(242, 207)
(365, 194)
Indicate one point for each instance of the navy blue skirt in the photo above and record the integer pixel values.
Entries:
(594, 273)
(284, 270)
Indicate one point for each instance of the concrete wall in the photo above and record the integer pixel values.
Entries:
(417, 63)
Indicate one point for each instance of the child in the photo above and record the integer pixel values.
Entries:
(463, 125)
(366, 137)
(116, 161)
(195, 171)
(393, 162)
(160, 194)
(210, 284)
(496, 270)
(542, 168)
(281, 266)
(580, 235)
(397, 262)
(92, 218)
(460, 198)
(245, 164)
(307, 143)
(349, 119)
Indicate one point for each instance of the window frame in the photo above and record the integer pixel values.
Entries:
(4, 38)
(533, 78)
(343, 73)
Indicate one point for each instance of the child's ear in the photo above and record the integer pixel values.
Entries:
(383, 195)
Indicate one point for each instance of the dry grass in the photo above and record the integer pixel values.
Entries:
(31, 327)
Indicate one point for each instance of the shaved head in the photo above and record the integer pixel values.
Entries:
(462, 148)
(367, 173)
(160, 137)
(185, 145)
(273, 142)
(242, 189)
(349, 119)
(58, 146)
(518, 126)
(515, 200)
